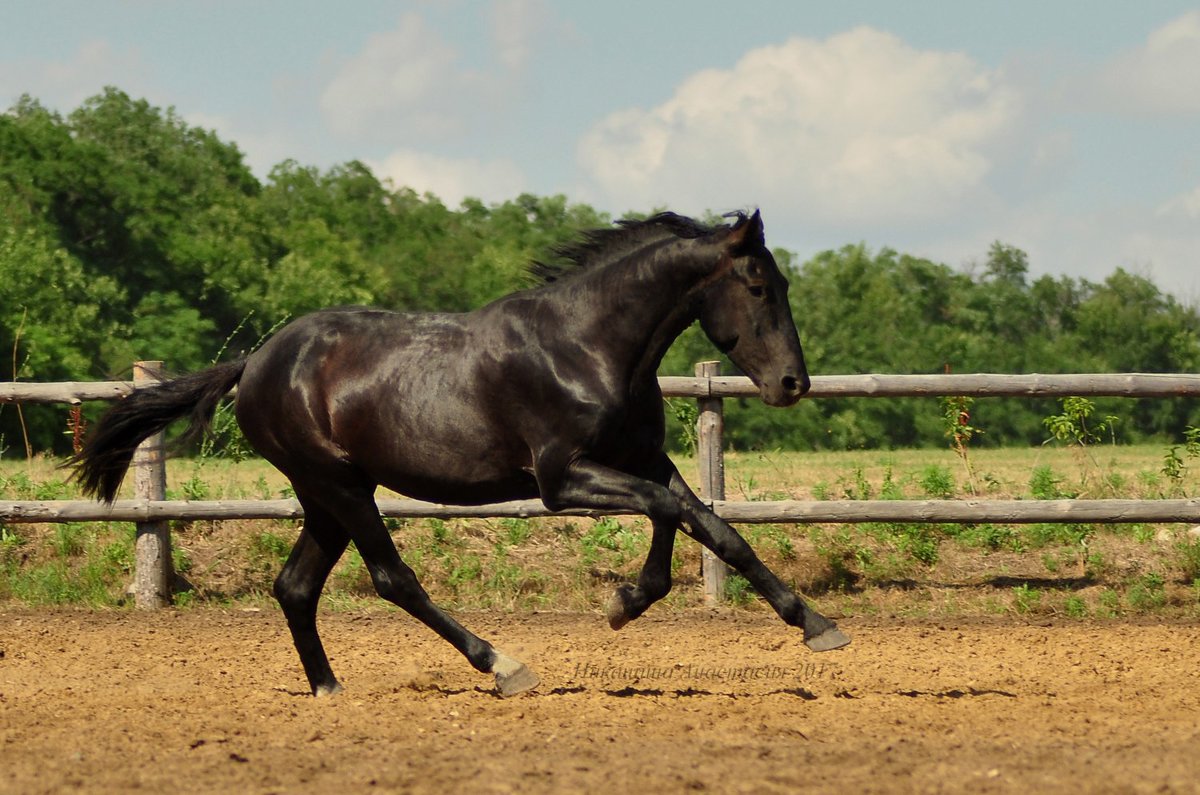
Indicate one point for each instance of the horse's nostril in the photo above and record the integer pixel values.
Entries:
(795, 386)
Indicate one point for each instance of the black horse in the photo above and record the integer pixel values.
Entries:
(549, 392)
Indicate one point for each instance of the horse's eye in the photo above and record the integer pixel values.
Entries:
(757, 290)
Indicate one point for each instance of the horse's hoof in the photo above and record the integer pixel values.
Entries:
(617, 609)
(832, 638)
(512, 677)
(321, 691)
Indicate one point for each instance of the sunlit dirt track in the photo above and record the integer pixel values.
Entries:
(207, 700)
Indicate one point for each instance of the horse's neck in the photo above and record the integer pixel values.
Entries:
(643, 303)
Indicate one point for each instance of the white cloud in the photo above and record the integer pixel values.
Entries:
(1185, 205)
(398, 77)
(411, 82)
(1088, 243)
(857, 127)
(1162, 75)
(516, 25)
(450, 179)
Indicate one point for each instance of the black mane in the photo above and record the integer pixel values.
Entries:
(601, 246)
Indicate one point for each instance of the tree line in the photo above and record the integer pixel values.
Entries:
(126, 234)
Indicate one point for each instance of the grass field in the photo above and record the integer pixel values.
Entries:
(571, 563)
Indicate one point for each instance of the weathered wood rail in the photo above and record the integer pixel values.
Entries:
(1131, 385)
(742, 512)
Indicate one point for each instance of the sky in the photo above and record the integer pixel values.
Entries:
(1068, 129)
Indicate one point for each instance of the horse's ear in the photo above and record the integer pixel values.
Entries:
(746, 233)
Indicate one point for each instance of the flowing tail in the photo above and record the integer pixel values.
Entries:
(101, 465)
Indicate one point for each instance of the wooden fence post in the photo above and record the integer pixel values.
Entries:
(710, 454)
(153, 570)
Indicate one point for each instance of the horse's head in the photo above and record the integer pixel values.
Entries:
(745, 312)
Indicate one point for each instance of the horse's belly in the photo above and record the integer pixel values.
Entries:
(460, 490)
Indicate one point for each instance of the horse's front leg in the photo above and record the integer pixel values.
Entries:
(699, 522)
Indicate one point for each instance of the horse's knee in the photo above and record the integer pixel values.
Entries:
(398, 587)
(293, 593)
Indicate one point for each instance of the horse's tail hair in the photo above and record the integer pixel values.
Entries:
(101, 464)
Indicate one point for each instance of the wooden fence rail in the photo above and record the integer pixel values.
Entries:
(1131, 385)
(151, 512)
(742, 512)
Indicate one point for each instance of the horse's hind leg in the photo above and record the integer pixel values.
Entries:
(396, 582)
(298, 589)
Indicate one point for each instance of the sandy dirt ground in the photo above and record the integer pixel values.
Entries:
(207, 700)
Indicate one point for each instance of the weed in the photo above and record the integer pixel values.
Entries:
(937, 482)
(1149, 481)
(1044, 483)
(1110, 604)
(503, 575)
(920, 541)
(439, 536)
(262, 489)
(1075, 607)
(195, 488)
(610, 535)
(468, 568)
(1026, 599)
(10, 542)
(685, 413)
(516, 531)
(747, 486)
(267, 553)
(738, 590)
(1142, 533)
(69, 539)
(1075, 428)
(858, 488)
(841, 553)
(782, 541)
(1095, 566)
(1072, 425)
(224, 437)
(992, 537)
(1146, 592)
(181, 559)
(45, 584)
(956, 419)
(890, 490)
(51, 490)
(1187, 558)
(1174, 467)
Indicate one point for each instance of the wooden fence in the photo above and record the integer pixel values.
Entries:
(151, 512)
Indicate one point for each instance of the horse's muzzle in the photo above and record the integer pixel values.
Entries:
(786, 392)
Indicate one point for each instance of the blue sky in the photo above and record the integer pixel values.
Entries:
(1068, 129)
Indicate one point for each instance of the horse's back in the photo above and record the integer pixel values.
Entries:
(400, 397)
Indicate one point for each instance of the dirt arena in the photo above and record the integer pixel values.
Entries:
(207, 700)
